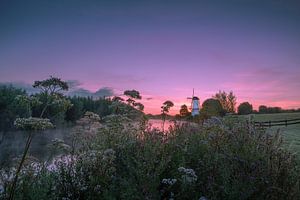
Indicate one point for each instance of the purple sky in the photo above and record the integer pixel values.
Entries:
(161, 48)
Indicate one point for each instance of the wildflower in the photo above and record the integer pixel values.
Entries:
(33, 123)
(188, 175)
(169, 181)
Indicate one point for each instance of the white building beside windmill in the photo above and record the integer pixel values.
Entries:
(195, 105)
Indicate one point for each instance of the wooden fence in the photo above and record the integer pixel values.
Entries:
(286, 122)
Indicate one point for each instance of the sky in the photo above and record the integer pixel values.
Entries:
(162, 48)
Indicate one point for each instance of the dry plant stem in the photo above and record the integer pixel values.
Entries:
(12, 191)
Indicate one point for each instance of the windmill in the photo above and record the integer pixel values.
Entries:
(194, 104)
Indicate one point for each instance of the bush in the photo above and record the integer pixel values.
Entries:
(245, 108)
(212, 107)
(127, 160)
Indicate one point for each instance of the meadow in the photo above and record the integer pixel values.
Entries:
(290, 133)
(120, 158)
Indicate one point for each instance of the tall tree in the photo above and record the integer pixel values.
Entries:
(134, 95)
(184, 111)
(165, 108)
(51, 96)
(227, 100)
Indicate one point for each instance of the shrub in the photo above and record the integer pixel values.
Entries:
(124, 160)
(212, 107)
(245, 108)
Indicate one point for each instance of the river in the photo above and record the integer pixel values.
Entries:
(12, 143)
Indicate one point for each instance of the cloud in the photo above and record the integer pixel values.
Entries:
(102, 92)
(73, 84)
(105, 91)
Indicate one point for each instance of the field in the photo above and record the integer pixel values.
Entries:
(290, 133)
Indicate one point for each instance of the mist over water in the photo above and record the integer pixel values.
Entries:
(12, 144)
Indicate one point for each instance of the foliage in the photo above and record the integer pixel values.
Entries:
(228, 101)
(264, 109)
(132, 95)
(245, 108)
(211, 107)
(53, 102)
(13, 104)
(52, 85)
(184, 111)
(123, 160)
(165, 108)
(100, 106)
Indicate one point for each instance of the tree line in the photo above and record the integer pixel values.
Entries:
(223, 103)
(51, 103)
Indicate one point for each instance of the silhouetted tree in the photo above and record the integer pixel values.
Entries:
(165, 108)
(53, 102)
(228, 101)
(212, 107)
(134, 95)
(245, 108)
(184, 111)
(262, 109)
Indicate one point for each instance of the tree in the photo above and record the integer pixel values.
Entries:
(139, 106)
(165, 108)
(228, 101)
(262, 109)
(52, 98)
(50, 95)
(184, 111)
(134, 95)
(245, 108)
(116, 98)
(212, 107)
(231, 102)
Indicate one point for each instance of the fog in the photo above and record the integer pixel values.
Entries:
(12, 144)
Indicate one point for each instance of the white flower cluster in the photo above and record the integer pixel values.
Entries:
(169, 181)
(33, 123)
(188, 175)
(92, 116)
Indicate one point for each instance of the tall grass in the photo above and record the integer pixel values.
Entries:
(120, 159)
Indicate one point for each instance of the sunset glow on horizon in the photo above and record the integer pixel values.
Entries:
(163, 49)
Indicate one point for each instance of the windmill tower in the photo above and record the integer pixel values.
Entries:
(194, 105)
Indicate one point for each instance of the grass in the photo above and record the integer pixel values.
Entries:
(291, 133)
(119, 160)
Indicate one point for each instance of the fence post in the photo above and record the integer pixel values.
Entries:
(269, 123)
(286, 123)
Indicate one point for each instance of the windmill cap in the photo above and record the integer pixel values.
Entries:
(195, 98)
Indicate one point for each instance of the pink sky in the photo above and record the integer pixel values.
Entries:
(163, 49)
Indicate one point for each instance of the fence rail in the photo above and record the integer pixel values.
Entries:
(286, 122)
